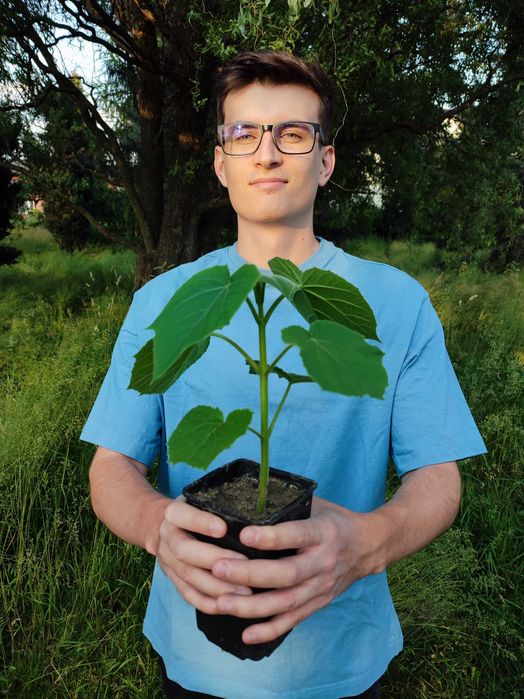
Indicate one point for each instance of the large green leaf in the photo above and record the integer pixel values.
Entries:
(333, 298)
(203, 433)
(285, 268)
(142, 374)
(204, 303)
(339, 359)
(319, 294)
(284, 285)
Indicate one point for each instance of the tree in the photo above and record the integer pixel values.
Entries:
(400, 67)
(460, 184)
(71, 174)
(9, 189)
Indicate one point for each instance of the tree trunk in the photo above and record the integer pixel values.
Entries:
(178, 239)
(150, 116)
(188, 185)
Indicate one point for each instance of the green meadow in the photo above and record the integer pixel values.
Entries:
(73, 596)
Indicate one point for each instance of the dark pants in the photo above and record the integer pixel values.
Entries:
(172, 690)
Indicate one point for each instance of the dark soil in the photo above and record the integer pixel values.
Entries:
(239, 497)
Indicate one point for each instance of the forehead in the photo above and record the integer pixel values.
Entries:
(268, 104)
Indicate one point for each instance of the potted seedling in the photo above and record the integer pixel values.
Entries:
(335, 354)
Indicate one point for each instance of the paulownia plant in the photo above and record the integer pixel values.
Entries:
(334, 350)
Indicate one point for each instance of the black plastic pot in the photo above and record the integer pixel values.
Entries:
(224, 630)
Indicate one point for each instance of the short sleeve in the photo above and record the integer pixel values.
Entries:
(121, 419)
(431, 421)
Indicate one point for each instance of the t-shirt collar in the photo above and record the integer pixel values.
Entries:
(320, 258)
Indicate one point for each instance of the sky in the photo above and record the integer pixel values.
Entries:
(79, 57)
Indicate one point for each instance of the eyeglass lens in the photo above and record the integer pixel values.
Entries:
(290, 136)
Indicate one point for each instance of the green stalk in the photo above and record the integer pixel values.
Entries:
(277, 412)
(264, 409)
(246, 356)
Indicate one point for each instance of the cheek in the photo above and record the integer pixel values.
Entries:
(233, 178)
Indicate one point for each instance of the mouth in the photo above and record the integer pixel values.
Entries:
(269, 182)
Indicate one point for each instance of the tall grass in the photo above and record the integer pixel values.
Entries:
(73, 596)
(460, 600)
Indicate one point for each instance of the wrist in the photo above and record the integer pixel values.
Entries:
(376, 533)
(152, 514)
(388, 524)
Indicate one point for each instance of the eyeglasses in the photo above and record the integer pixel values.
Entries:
(290, 137)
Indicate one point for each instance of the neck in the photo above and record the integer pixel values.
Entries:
(258, 245)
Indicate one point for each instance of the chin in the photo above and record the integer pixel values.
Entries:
(271, 215)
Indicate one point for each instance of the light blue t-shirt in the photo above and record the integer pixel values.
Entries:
(343, 443)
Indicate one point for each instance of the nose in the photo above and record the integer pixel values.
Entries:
(268, 154)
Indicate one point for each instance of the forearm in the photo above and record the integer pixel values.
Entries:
(424, 506)
(124, 500)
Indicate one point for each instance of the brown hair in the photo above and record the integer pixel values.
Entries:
(275, 68)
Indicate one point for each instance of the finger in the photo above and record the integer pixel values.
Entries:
(285, 572)
(193, 596)
(269, 603)
(287, 535)
(268, 631)
(206, 583)
(178, 544)
(192, 519)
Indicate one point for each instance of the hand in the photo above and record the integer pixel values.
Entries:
(334, 549)
(188, 562)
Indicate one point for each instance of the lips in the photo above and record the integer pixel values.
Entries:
(269, 180)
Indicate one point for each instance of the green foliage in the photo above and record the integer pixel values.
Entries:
(44, 273)
(339, 359)
(142, 379)
(428, 127)
(9, 190)
(73, 596)
(66, 612)
(461, 187)
(322, 295)
(203, 434)
(204, 303)
(69, 171)
(335, 356)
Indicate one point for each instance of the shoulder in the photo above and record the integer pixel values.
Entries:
(378, 280)
(150, 299)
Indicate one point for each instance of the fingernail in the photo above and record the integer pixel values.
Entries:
(250, 536)
(250, 637)
(220, 568)
(215, 529)
(242, 591)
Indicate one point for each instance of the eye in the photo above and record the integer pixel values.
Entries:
(244, 133)
(293, 132)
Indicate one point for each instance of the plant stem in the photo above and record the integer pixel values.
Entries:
(246, 356)
(273, 306)
(252, 308)
(280, 406)
(264, 408)
(274, 363)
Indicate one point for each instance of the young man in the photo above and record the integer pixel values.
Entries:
(274, 112)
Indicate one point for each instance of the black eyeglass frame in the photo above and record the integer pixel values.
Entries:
(269, 127)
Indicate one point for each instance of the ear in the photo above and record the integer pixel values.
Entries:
(219, 165)
(327, 165)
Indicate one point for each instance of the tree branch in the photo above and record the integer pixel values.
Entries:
(32, 104)
(422, 128)
(38, 52)
(102, 229)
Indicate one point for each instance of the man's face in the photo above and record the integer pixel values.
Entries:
(269, 186)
